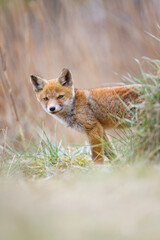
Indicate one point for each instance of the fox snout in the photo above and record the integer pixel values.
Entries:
(52, 109)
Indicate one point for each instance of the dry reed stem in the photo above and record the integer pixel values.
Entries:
(8, 89)
(5, 142)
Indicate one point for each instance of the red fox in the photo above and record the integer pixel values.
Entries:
(90, 111)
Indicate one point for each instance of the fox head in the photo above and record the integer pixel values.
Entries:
(54, 95)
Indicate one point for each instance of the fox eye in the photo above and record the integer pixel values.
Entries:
(60, 96)
(45, 98)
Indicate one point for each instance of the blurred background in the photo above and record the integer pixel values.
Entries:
(94, 38)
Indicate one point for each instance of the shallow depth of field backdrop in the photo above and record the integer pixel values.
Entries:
(94, 38)
(55, 192)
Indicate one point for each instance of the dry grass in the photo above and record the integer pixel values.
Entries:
(100, 204)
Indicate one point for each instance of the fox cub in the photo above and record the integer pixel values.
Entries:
(89, 111)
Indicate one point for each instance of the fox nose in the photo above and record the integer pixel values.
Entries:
(52, 109)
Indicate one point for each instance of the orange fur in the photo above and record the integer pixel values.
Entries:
(90, 111)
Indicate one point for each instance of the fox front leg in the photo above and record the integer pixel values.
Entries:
(95, 136)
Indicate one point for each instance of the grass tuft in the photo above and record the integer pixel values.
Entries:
(44, 159)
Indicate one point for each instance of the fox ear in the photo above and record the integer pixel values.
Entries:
(65, 78)
(37, 83)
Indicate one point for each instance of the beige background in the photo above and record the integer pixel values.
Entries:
(94, 39)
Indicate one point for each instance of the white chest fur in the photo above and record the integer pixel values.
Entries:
(70, 121)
